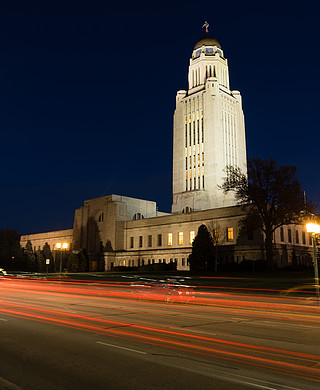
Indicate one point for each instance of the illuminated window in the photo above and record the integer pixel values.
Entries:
(169, 238)
(230, 234)
(131, 242)
(180, 238)
(191, 236)
(216, 235)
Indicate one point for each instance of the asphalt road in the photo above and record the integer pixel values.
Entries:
(60, 334)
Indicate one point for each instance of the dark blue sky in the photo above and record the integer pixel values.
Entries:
(87, 96)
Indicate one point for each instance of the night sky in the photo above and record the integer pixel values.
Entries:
(88, 92)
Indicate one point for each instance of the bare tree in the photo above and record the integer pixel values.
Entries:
(218, 238)
(274, 193)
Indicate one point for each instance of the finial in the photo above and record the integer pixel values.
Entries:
(206, 25)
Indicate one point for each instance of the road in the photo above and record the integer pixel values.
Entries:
(64, 334)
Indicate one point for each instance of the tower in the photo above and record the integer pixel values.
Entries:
(208, 133)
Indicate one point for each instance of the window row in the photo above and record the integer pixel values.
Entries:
(299, 238)
(148, 241)
(141, 262)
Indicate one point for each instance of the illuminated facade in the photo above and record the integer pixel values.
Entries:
(208, 133)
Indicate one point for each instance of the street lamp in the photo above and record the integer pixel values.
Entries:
(60, 246)
(314, 229)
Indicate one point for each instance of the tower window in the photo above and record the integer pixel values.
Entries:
(194, 133)
(138, 216)
(186, 134)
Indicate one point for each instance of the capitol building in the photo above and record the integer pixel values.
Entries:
(208, 135)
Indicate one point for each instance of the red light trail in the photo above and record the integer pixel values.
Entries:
(36, 300)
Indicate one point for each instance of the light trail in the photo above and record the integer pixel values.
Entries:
(165, 335)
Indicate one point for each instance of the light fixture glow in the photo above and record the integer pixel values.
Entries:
(313, 228)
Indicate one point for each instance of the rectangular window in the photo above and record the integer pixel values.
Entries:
(304, 238)
(159, 239)
(149, 240)
(282, 234)
(310, 239)
(140, 241)
(191, 236)
(297, 237)
(289, 235)
(169, 238)
(216, 235)
(250, 234)
(180, 238)
(198, 131)
(194, 133)
(183, 262)
(131, 242)
(186, 135)
(230, 234)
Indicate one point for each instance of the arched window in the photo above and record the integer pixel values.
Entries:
(100, 218)
(137, 216)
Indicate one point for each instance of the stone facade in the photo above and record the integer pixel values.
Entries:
(209, 132)
(51, 238)
(121, 231)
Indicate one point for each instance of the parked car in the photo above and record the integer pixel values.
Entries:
(168, 292)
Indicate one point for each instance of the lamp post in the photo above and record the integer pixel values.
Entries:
(314, 229)
(60, 246)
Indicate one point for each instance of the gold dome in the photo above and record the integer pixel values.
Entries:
(207, 41)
